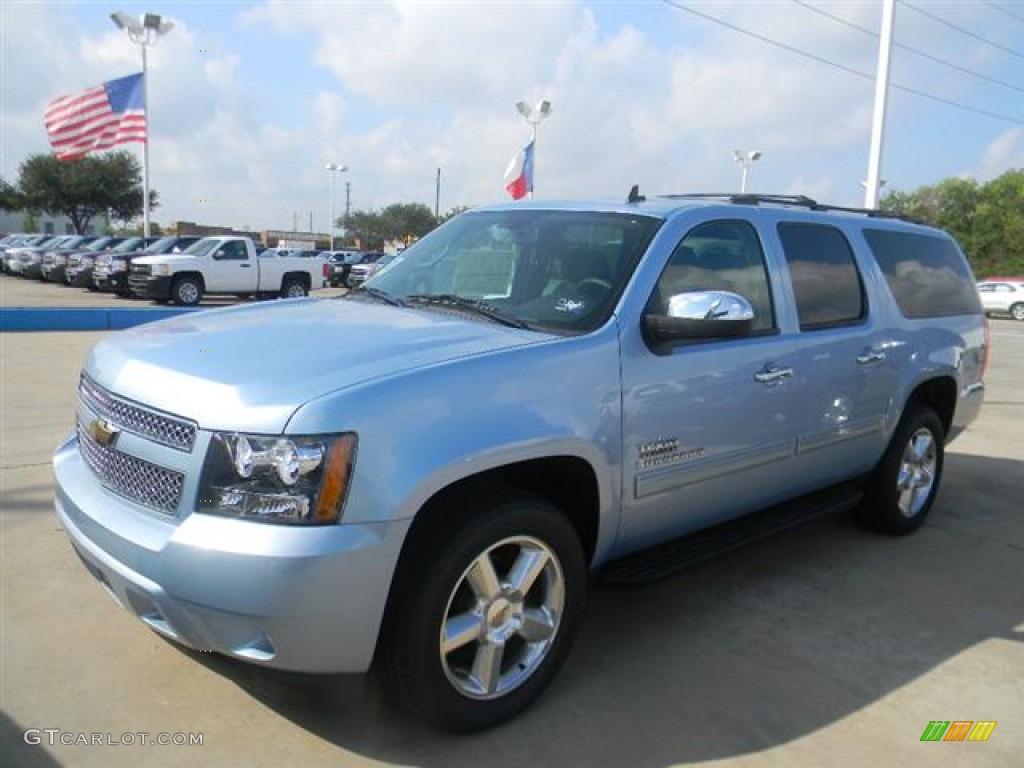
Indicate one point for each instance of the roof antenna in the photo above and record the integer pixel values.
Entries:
(634, 195)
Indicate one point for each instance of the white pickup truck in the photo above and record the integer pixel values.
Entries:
(223, 265)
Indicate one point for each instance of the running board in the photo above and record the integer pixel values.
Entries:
(665, 559)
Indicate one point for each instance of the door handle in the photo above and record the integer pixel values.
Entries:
(869, 356)
(773, 373)
(245, 266)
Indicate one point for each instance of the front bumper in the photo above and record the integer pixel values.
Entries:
(150, 286)
(297, 599)
(110, 281)
(80, 278)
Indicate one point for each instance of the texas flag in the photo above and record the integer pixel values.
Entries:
(519, 174)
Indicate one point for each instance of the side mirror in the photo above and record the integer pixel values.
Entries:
(701, 315)
(219, 253)
(175, 249)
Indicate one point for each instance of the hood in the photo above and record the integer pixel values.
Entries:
(250, 367)
(162, 258)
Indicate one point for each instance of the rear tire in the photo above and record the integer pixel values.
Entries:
(294, 288)
(483, 613)
(1017, 311)
(906, 481)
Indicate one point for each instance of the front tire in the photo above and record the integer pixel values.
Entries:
(905, 483)
(483, 613)
(187, 291)
(1017, 311)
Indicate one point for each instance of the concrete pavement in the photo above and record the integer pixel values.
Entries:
(826, 645)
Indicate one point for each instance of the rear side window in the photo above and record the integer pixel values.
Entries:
(927, 275)
(826, 282)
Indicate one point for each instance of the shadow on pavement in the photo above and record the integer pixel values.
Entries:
(740, 654)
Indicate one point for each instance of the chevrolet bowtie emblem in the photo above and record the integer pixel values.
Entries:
(103, 432)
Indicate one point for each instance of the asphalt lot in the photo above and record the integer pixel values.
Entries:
(825, 645)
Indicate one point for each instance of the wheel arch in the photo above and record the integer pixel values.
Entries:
(939, 394)
(190, 273)
(301, 277)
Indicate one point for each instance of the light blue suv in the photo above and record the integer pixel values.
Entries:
(534, 396)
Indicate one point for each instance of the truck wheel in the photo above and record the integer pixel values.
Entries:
(906, 481)
(483, 615)
(1017, 311)
(293, 288)
(187, 291)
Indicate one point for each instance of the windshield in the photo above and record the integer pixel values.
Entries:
(162, 245)
(131, 244)
(202, 247)
(100, 243)
(558, 270)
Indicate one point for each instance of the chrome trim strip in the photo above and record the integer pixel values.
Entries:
(700, 470)
(849, 431)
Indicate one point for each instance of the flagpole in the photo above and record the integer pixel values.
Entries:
(533, 116)
(145, 146)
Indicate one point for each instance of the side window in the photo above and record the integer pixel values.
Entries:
(826, 282)
(1003, 288)
(986, 288)
(235, 249)
(927, 274)
(719, 256)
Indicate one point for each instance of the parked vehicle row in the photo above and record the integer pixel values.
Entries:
(181, 269)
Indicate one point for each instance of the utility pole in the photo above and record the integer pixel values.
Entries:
(881, 94)
(348, 197)
(437, 195)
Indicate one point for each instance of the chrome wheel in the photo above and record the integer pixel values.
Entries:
(295, 291)
(188, 293)
(502, 618)
(916, 475)
(1017, 311)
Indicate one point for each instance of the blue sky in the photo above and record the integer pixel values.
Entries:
(250, 100)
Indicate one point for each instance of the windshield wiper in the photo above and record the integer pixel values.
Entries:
(378, 294)
(476, 306)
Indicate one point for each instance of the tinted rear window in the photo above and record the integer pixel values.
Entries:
(826, 282)
(927, 275)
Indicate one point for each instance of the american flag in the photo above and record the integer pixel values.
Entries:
(97, 119)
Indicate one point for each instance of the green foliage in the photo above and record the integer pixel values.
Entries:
(29, 224)
(400, 221)
(82, 189)
(10, 200)
(987, 220)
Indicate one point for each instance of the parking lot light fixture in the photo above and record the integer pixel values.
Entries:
(745, 159)
(534, 115)
(334, 169)
(144, 31)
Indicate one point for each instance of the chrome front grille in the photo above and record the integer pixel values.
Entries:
(162, 428)
(135, 479)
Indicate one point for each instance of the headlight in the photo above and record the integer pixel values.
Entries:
(119, 264)
(288, 479)
(161, 269)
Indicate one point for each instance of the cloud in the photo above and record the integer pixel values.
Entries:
(1004, 153)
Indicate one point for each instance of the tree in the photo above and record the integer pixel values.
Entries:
(400, 221)
(82, 189)
(987, 220)
(10, 200)
(452, 213)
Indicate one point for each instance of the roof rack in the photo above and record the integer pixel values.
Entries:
(747, 198)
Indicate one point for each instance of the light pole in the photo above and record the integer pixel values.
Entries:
(334, 169)
(533, 116)
(746, 161)
(144, 32)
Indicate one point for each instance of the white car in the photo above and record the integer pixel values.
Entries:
(1004, 297)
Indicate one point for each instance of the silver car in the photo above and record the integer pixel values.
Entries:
(530, 397)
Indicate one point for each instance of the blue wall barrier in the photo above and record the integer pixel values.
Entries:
(83, 318)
